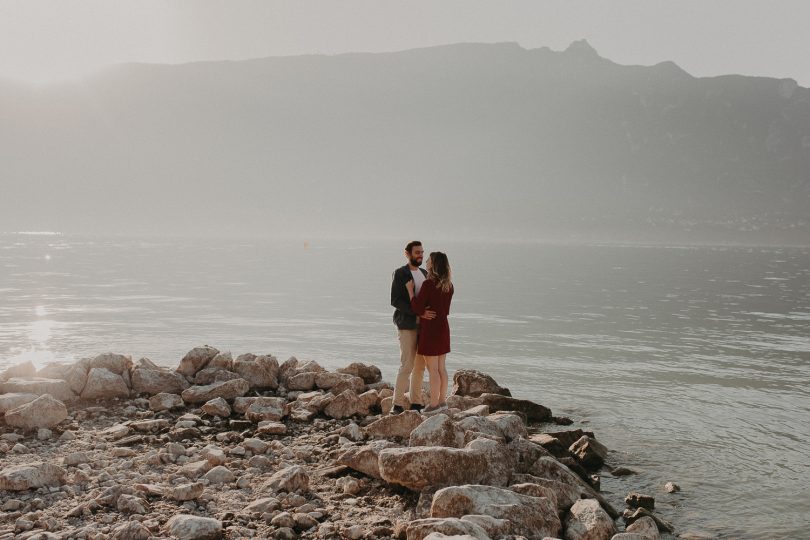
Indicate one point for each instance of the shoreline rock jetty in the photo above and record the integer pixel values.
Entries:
(108, 448)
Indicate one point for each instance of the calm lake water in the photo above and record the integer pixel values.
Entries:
(691, 363)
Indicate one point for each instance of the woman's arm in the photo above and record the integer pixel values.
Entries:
(420, 302)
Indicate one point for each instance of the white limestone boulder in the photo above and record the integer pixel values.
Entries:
(260, 371)
(437, 430)
(532, 517)
(587, 521)
(57, 388)
(34, 475)
(43, 412)
(196, 359)
(104, 384)
(226, 390)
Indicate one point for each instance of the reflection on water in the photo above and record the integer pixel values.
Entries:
(691, 363)
(35, 348)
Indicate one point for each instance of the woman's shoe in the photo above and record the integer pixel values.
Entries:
(430, 409)
(443, 405)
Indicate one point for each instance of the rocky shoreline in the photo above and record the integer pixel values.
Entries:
(251, 447)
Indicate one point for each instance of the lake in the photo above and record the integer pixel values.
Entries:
(691, 363)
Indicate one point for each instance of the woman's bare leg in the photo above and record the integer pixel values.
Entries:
(432, 363)
(443, 380)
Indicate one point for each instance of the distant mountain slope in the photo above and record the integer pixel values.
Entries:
(474, 139)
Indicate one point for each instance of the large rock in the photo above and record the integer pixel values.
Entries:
(302, 381)
(437, 430)
(394, 426)
(421, 529)
(565, 494)
(345, 405)
(54, 370)
(196, 359)
(35, 475)
(223, 360)
(242, 404)
(165, 402)
(43, 412)
(550, 468)
(631, 515)
(157, 380)
(260, 371)
(365, 459)
(481, 424)
(587, 521)
(464, 403)
(568, 437)
(266, 409)
(469, 382)
(212, 374)
(511, 425)
(130, 530)
(536, 490)
(635, 499)
(308, 404)
(57, 388)
(217, 407)
(370, 374)
(117, 363)
(327, 380)
(368, 400)
(501, 458)
(534, 411)
(12, 401)
(291, 479)
(188, 527)
(552, 444)
(526, 453)
(532, 517)
(645, 527)
(23, 369)
(589, 452)
(290, 371)
(494, 527)
(104, 384)
(76, 376)
(226, 390)
(432, 466)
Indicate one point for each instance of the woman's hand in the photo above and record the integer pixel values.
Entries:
(409, 286)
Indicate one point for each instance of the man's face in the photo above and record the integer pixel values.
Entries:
(415, 256)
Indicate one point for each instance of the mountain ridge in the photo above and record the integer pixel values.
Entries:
(518, 141)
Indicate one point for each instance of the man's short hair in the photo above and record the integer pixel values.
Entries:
(412, 244)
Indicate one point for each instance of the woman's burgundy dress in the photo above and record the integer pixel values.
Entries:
(434, 334)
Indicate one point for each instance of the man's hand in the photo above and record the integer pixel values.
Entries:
(429, 314)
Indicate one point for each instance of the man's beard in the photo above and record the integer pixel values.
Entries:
(416, 262)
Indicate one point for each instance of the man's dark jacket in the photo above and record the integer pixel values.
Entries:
(404, 317)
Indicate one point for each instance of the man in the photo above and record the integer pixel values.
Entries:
(412, 365)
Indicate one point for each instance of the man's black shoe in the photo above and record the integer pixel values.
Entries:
(417, 407)
(396, 409)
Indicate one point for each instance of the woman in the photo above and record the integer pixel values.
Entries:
(434, 334)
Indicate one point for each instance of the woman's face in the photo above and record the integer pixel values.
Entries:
(429, 264)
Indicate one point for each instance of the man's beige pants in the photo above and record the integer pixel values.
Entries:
(411, 370)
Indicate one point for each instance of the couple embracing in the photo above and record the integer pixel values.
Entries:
(422, 301)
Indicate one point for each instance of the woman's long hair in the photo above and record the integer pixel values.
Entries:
(440, 271)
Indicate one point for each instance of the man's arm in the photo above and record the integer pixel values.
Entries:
(399, 300)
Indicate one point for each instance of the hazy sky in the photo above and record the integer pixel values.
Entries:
(45, 40)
